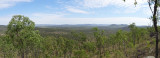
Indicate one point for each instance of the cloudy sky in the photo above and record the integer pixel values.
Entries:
(77, 11)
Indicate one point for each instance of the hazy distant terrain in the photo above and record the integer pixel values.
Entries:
(65, 30)
(53, 29)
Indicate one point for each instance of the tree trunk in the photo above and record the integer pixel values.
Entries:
(70, 56)
(22, 53)
(4, 56)
(22, 56)
(133, 36)
(100, 53)
(35, 53)
(64, 55)
(157, 44)
(155, 26)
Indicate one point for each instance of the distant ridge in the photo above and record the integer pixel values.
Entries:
(79, 24)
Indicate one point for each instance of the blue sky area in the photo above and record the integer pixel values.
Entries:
(77, 11)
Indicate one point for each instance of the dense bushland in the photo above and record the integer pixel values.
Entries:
(21, 40)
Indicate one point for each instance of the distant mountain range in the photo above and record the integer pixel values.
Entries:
(83, 25)
(80, 25)
(66, 25)
(3, 28)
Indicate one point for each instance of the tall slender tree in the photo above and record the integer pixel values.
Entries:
(100, 40)
(156, 4)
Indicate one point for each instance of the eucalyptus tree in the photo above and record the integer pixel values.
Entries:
(133, 30)
(49, 45)
(23, 36)
(154, 17)
(121, 39)
(90, 47)
(100, 40)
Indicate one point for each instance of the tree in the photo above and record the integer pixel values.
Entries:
(80, 54)
(133, 32)
(80, 38)
(49, 47)
(100, 40)
(154, 18)
(23, 36)
(90, 48)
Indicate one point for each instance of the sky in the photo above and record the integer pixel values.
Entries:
(77, 11)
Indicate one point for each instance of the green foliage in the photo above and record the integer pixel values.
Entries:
(107, 54)
(22, 40)
(90, 46)
(48, 46)
(100, 40)
(80, 54)
(7, 48)
(22, 34)
(100, 37)
(119, 54)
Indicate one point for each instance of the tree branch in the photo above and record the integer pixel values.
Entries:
(149, 4)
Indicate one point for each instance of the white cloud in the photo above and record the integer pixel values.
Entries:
(123, 7)
(95, 3)
(128, 5)
(45, 18)
(115, 20)
(74, 10)
(38, 18)
(5, 19)
(104, 3)
(9, 3)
